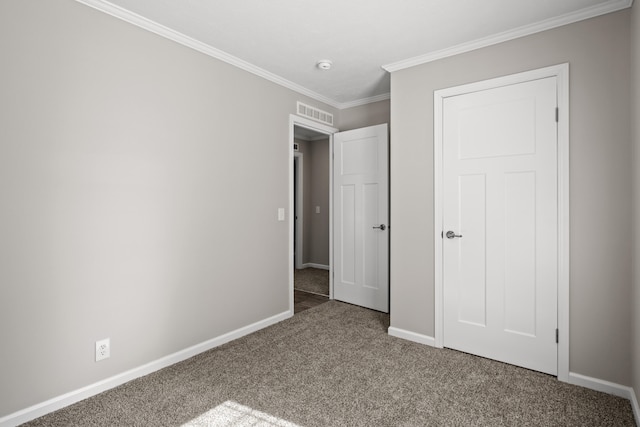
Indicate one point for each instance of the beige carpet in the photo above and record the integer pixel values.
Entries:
(313, 280)
(335, 365)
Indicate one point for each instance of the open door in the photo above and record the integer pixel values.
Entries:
(361, 217)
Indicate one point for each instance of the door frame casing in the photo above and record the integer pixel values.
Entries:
(561, 72)
(294, 121)
(298, 211)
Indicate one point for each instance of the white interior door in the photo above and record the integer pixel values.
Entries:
(361, 213)
(500, 266)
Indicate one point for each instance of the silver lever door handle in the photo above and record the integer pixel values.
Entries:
(381, 227)
(451, 235)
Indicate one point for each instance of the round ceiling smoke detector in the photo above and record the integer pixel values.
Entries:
(324, 64)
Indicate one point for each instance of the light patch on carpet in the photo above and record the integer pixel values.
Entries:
(233, 414)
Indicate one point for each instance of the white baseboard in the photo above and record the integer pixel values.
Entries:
(412, 336)
(600, 385)
(574, 378)
(608, 387)
(72, 397)
(314, 265)
(635, 406)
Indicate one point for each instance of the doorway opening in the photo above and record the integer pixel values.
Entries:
(311, 220)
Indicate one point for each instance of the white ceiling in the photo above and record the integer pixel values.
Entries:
(283, 39)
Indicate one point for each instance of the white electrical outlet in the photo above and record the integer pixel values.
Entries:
(103, 349)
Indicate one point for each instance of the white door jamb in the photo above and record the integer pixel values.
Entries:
(298, 215)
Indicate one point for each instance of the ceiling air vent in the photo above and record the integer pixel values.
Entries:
(315, 114)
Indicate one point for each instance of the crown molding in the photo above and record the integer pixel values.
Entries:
(548, 24)
(364, 101)
(168, 33)
(156, 28)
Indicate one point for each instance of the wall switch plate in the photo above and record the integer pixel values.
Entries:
(103, 349)
(280, 214)
(317, 209)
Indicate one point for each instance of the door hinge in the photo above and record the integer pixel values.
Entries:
(557, 114)
(557, 336)
(442, 234)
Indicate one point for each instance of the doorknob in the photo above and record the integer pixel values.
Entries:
(381, 227)
(451, 235)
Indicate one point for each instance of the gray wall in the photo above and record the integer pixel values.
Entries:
(600, 174)
(303, 148)
(139, 180)
(319, 196)
(372, 114)
(315, 158)
(635, 307)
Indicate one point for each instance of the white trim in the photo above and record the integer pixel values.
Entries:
(635, 407)
(561, 72)
(72, 397)
(526, 30)
(564, 222)
(159, 29)
(364, 101)
(601, 385)
(437, 221)
(294, 121)
(331, 215)
(314, 265)
(299, 213)
(411, 336)
(168, 33)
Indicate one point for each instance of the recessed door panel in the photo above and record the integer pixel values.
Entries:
(359, 156)
(370, 238)
(347, 240)
(486, 122)
(520, 253)
(472, 250)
